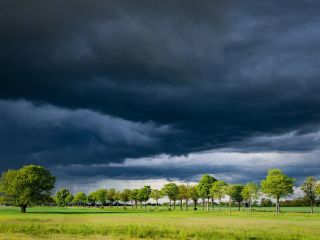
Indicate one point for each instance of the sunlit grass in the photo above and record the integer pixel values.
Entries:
(117, 223)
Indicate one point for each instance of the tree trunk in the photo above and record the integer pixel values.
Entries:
(194, 204)
(208, 205)
(187, 205)
(311, 206)
(170, 204)
(23, 208)
(136, 203)
(212, 203)
(250, 202)
(203, 201)
(239, 205)
(278, 206)
(157, 204)
(230, 204)
(174, 205)
(220, 205)
(145, 205)
(180, 204)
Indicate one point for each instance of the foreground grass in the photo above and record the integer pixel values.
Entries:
(113, 223)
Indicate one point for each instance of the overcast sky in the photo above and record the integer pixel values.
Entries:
(118, 93)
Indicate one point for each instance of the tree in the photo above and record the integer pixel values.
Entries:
(250, 192)
(80, 198)
(171, 191)
(187, 196)
(183, 195)
(309, 188)
(193, 193)
(110, 196)
(117, 197)
(204, 186)
(69, 199)
(92, 198)
(229, 191)
(217, 191)
(25, 187)
(125, 196)
(156, 195)
(237, 194)
(61, 197)
(144, 195)
(317, 190)
(140, 198)
(134, 196)
(277, 185)
(100, 196)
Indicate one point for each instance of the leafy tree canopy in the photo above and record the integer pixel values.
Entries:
(144, 193)
(229, 190)
(100, 196)
(69, 199)
(62, 197)
(277, 184)
(250, 191)
(205, 185)
(183, 192)
(30, 185)
(237, 193)
(111, 195)
(217, 191)
(125, 195)
(171, 190)
(80, 198)
(309, 187)
(156, 194)
(317, 190)
(134, 195)
(193, 191)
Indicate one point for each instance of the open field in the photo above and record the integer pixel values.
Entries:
(113, 223)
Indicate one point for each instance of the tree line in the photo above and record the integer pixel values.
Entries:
(32, 185)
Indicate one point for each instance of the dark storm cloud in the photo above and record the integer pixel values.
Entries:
(219, 73)
(53, 136)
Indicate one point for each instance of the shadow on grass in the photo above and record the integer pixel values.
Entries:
(83, 213)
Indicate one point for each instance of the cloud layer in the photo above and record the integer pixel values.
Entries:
(97, 83)
(57, 136)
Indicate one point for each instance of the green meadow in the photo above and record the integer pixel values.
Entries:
(119, 223)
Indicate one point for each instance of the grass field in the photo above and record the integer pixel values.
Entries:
(117, 223)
